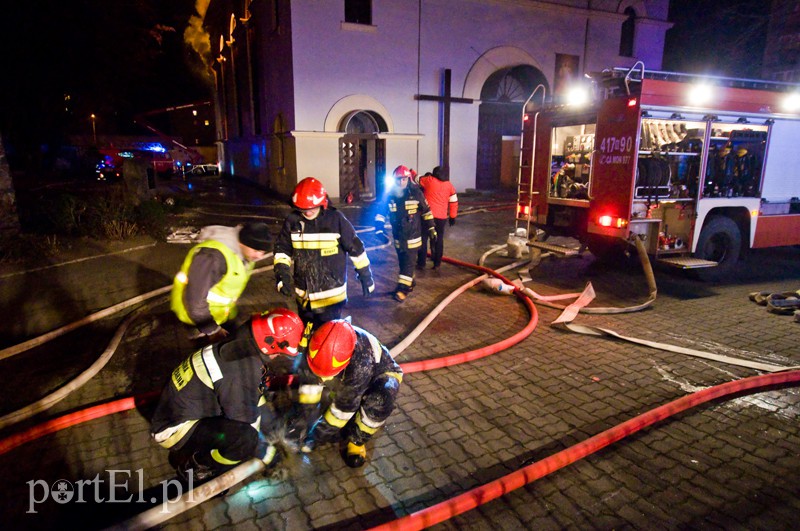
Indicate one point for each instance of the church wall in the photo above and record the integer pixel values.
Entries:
(404, 53)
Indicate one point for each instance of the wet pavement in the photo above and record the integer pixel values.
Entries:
(728, 464)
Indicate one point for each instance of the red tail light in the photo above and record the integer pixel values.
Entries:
(611, 221)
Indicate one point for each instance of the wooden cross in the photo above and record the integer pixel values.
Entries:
(445, 100)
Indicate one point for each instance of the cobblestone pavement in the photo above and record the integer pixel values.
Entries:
(729, 464)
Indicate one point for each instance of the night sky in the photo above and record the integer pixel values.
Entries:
(117, 58)
(717, 37)
(113, 58)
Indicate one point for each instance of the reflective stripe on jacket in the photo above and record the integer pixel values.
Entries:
(219, 380)
(317, 250)
(407, 215)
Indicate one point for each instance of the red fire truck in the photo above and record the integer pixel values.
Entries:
(699, 169)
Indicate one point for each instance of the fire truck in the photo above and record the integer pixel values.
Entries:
(699, 169)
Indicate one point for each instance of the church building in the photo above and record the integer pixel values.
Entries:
(346, 90)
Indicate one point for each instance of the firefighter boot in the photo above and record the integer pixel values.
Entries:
(355, 453)
(401, 292)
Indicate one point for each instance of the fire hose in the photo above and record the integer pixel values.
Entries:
(207, 490)
(466, 501)
(492, 490)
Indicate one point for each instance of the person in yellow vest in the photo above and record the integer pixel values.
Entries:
(214, 275)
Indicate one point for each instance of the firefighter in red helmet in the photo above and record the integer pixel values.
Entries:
(408, 213)
(311, 255)
(366, 379)
(210, 412)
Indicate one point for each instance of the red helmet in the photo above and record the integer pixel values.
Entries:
(277, 331)
(401, 172)
(309, 193)
(331, 348)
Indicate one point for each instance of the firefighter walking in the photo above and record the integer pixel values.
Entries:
(408, 213)
(311, 255)
(443, 200)
(209, 413)
(366, 380)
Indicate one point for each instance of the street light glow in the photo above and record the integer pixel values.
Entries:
(94, 129)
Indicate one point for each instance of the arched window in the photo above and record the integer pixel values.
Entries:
(363, 122)
(628, 33)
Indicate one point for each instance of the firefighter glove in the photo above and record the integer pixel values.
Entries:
(451, 221)
(367, 284)
(219, 335)
(320, 433)
(432, 235)
(297, 420)
(284, 285)
(268, 453)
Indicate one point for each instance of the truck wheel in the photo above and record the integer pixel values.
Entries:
(607, 250)
(720, 241)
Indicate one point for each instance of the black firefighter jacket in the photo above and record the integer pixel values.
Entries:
(371, 360)
(220, 380)
(407, 215)
(318, 250)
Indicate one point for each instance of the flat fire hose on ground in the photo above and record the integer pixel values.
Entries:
(571, 311)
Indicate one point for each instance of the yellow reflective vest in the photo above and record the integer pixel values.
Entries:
(223, 295)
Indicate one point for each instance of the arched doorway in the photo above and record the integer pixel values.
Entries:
(362, 155)
(500, 115)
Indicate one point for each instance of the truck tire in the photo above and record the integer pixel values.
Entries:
(607, 250)
(720, 241)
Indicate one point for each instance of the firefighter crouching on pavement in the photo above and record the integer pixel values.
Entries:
(365, 378)
(315, 240)
(408, 213)
(214, 275)
(209, 413)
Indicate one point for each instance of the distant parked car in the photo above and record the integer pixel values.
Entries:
(203, 169)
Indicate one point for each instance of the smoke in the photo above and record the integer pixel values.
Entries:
(196, 36)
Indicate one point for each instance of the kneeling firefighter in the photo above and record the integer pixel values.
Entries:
(209, 413)
(366, 380)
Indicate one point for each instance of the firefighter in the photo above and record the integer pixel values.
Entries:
(214, 275)
(315, 240)
(443, 200)
(408, 213)
(209, 412)
(366, 380)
